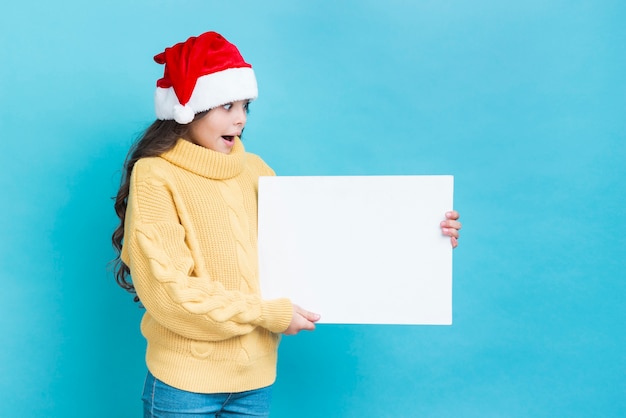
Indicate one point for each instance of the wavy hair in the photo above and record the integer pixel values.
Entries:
(160, 137)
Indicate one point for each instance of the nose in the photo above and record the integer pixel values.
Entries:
(240, 116)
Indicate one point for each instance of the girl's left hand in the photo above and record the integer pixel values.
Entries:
(451, 226)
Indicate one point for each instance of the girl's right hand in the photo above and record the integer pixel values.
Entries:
(301, 320)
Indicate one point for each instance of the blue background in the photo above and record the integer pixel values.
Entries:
(524, 102)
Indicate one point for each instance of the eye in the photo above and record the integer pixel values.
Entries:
(246, 107)
(227, 106)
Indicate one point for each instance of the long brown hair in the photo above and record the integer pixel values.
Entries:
(160, 137)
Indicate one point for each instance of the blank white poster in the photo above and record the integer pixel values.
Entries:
(358, 249)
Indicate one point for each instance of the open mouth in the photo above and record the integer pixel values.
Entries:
(228, 138)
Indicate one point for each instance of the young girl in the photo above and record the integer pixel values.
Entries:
(188, 236)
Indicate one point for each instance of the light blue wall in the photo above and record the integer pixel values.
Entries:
(523, 102)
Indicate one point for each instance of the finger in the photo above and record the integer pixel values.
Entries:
(303, 324)
(455, 225)
(450, 232)
(453, 214)
(309, 316)
(454, 242)
(308, 326)
(451, 224)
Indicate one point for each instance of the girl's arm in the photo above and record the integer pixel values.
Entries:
(195, 307)
(166, 277)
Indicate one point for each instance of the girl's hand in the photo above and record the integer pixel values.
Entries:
(451, 226)
(301, 320)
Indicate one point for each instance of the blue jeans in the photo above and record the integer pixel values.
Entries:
(163, 401)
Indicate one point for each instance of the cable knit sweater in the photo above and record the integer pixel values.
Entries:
(191, 244)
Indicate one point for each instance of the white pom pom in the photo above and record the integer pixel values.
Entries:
(183, 114)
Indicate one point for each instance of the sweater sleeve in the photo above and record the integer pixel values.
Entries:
(161, 267)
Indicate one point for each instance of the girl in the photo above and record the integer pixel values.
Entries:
(188, 236)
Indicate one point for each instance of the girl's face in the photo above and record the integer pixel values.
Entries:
(219, 127)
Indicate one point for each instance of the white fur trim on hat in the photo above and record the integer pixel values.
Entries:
(211, 90)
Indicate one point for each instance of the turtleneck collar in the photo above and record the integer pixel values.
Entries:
(206, 162)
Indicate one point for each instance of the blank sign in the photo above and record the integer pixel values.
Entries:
(358, 249)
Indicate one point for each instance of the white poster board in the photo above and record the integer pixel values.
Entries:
(358, 249)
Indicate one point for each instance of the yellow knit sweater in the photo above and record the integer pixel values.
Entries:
(191, 244)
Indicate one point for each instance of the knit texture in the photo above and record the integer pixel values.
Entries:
(191, 244)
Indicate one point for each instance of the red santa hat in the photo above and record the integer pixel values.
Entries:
(201, 73)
